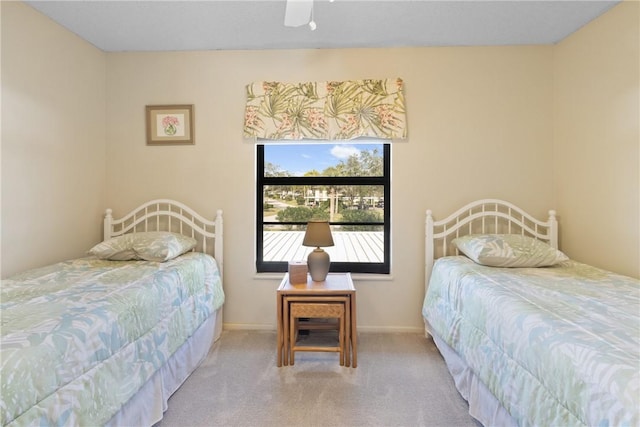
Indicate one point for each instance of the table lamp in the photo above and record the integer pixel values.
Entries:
(318, 234)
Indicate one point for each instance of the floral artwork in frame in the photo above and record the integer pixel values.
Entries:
(170, 125)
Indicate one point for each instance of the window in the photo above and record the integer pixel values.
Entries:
(346, 184)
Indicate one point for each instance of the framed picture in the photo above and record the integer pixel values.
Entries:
(170, 125)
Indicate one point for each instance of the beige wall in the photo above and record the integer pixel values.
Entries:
(480, 125)
(597, 141)
(53, 140)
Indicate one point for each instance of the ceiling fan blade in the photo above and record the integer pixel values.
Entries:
(297, 12)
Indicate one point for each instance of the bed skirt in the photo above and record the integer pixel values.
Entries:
(147, 406)
(483, 406)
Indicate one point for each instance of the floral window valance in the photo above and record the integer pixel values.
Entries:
(326, 110)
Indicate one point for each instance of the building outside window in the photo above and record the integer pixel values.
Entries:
(347, 184)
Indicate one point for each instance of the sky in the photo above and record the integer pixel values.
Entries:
(303, 157)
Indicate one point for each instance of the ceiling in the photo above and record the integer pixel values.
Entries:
(148, 25)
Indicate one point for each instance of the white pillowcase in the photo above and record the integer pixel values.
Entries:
(157, 246)
(508, 250)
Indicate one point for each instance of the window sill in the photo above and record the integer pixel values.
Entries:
(356, 277)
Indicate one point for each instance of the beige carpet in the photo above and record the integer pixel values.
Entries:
(401, 380)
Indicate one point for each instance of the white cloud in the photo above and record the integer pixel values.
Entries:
(344, 151)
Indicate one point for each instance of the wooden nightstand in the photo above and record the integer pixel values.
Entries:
(338, 287)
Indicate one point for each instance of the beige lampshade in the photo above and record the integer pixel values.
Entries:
(318, 234)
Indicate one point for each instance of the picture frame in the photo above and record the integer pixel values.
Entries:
(170, 124)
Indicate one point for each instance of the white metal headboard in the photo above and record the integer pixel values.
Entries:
(483, 217)
(169, 215)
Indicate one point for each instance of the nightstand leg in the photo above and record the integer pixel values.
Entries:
(285, 335)
(354, 331)
(280, 337)
(347, 327)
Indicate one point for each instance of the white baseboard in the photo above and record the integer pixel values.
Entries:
(391, 329)
(248, 326)
(365, 329)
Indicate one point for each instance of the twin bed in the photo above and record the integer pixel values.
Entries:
(106, 339)
(530, 336)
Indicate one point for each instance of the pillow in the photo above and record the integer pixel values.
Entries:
(157, 246)
(117, 249)
(508, 250)
(161, 246)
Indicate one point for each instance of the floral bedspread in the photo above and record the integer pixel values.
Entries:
(79, 338)
(557, 346)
